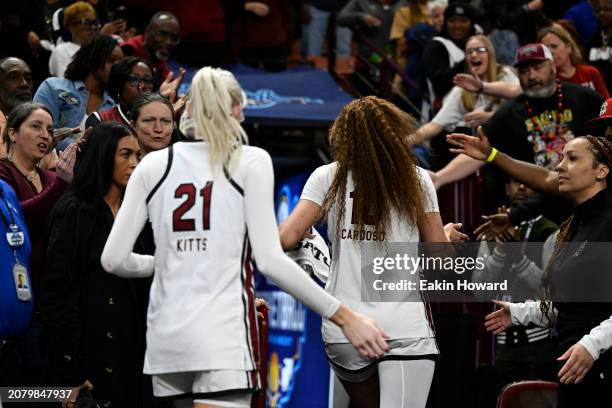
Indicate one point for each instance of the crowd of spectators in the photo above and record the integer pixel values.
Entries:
(525, 75)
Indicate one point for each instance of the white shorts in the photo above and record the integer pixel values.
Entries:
(225, 388)
(350, 366)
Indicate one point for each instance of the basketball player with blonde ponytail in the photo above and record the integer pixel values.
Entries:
(210, 202)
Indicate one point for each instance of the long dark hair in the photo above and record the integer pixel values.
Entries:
(601, 147)
(19, 115)
(368, 139)
(92, 55)
(93, 173)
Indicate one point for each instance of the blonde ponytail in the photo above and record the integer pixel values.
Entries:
(213, 95)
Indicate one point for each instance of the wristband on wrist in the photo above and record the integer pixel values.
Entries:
(492, 155)
(481, 86)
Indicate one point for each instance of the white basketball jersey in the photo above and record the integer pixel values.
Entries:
(202, 296)
(400, 319)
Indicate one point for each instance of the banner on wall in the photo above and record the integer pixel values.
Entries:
(298, 372)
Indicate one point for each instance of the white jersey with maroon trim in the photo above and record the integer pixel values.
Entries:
(202, 296)
(201, 311)
(408, 319)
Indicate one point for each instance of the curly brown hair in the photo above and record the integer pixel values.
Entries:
(601, 147)
(369, 141)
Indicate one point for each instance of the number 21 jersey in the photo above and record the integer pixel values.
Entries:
(201, 311)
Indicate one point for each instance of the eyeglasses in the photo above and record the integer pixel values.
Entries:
(478, 50)
(87, 22)
(135, 81)
(165, 35)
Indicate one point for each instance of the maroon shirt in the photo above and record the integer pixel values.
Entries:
(36, 208)
(135, 47)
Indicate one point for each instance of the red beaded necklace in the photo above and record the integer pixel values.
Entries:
(536, 125)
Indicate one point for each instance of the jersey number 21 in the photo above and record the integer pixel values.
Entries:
(179, 223)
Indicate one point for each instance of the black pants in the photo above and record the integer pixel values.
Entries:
(528, 361)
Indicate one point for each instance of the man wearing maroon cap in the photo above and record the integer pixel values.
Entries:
(602, 125)
(533, 127)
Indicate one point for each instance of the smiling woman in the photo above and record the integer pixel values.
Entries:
(27, 138)
(470, 109)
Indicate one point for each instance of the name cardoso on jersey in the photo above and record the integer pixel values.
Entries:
(362, 235)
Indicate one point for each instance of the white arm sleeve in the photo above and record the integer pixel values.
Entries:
(529, 312)
(599, 339)
(117, 257)
(263, 235)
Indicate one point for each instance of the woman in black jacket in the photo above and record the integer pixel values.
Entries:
(94, 321)
(577, 281)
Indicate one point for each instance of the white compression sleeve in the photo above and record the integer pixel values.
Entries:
(405, 383)
(117, 257)
(264, 238)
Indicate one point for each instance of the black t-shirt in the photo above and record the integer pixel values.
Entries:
(511, 131)
(582, 271)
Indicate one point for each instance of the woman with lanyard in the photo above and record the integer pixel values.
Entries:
(16, 302)
(585, 329)
(201, 197)
(28, 138)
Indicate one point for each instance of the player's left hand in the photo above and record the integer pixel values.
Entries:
(453, 233)
(579, 362)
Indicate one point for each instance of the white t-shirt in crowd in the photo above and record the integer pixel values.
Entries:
(452, 111)
(61, 56)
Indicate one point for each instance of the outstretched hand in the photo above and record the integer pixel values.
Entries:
(499, 320)
(468, 82)
(494, 225)
(477, 147)
(579, 362)
(453, 233)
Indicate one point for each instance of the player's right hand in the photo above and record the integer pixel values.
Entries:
(363, 332)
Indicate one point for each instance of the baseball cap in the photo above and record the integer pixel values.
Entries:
(598, 125)
(460, 9)
(533, 52)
